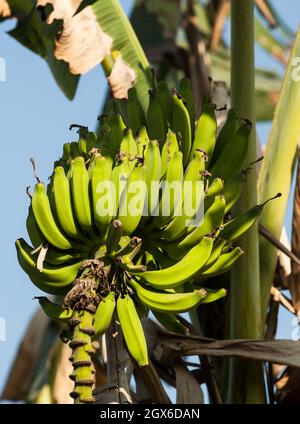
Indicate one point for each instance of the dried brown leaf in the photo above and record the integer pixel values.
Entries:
(82, 42)
(121, 78)
(5, 11)
(294, 279)
(288, 387)
(188, 390)
(285, 352)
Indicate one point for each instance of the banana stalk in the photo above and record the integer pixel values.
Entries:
(277, 168)
(246, 384)
(81, 344)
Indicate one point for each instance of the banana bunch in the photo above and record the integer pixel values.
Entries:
(135, 219)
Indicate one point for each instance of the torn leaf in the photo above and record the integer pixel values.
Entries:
(62, 9)
(121, 78)
(82, 42)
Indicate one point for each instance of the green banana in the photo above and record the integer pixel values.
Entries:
(232, 157)
(181, 125)
(114, 235)
(236, 227)
(28, 264)
(104, 314)
(229, 128)
(52, 274)
(128, 147)
(135, 111)
(171, 323)
(160, 301)
(223, 264)
(212, 219)
(183, 270)
(165, 100)
(185, 90)
(63, 203)
(168, 149)
(131, 207)
(171, 191)
(152, 160)
(54, 311)
(215, 188)
(118, 178)
(156, 123)
(142, 140)
(45, 220)
(205, 134)
(80, 193)
(102, 191)
(132, 330)
(115, 134)
(53, 256)
(193, 196)
(213, 295)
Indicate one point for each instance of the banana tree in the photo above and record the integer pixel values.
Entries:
(129, 264)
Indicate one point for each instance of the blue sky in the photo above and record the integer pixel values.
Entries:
(35, 117)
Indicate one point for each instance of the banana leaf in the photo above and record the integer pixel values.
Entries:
(277, 168)
(36, 35)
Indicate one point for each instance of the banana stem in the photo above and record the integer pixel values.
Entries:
(246, 383)
(117, 361)
(81, 344)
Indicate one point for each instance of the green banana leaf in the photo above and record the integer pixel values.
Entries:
(277, 168)
(113, 21)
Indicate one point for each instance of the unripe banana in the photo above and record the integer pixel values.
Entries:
(212, 219)
(156, 123)
(128, 147)
(104, 314)
(45, 220)
(54, 311)
(28, 264)
(169, 148)
(223, 264)
(153, 171)
(183, 270)
(185, 90)
(160, 301)
(193, 197)
(171, 191)
(103, 195)
(63, 203)
(232, 157)
(181, 125)
(215, 188)
(133, 199)
(229, 128)
(236, 227)
(135, 111)
(142, 140)
(132, 330)
(115, 134)
(113, 236)
(205, 135)
(165, 101)
(171, 323)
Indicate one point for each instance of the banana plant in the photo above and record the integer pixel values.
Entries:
(112, 252)
(109, 267)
